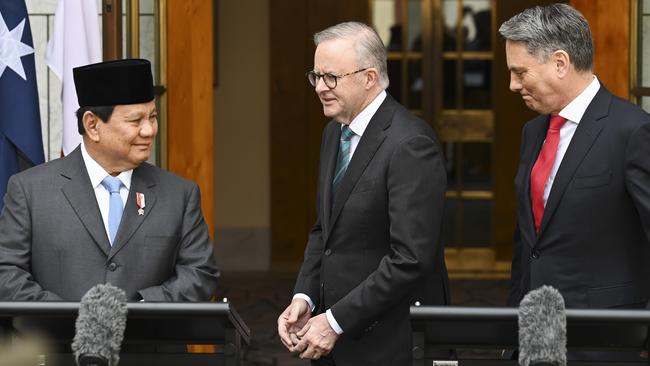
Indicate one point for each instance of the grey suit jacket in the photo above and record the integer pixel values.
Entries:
(53, 244)
(377, 246)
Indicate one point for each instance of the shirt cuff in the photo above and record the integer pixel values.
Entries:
(306, 298)
(333, 323)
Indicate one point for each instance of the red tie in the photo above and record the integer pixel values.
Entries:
(542, 168)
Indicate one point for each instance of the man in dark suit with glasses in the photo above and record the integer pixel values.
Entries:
(376, 241)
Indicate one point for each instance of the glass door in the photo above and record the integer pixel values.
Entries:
(440, 65)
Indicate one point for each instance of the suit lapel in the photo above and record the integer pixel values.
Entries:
(333, 134)
(583, 138)
(81, 196)
(538, 134)
(131, 219)
(372, 138)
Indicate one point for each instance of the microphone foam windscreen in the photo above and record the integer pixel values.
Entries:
(101, 323)
(542, 328)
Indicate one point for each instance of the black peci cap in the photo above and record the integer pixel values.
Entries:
(114, 83)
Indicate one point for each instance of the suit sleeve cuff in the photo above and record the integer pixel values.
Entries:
(333, 323)
(306, 298)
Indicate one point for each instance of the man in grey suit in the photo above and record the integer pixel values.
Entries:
(102, 214)
(375, 247)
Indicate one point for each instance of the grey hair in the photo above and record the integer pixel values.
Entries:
(370, 48)
(546, 29)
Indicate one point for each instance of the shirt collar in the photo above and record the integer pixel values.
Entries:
(97, 173)
(361, 121)
(576, 109)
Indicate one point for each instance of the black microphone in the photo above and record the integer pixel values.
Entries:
(542, 328)
(100, 326)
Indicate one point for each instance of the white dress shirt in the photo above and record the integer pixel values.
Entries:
(573, 113)
(97, 174)
(358, 126)
(361, 121)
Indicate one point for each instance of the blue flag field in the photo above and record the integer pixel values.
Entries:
(20, 123)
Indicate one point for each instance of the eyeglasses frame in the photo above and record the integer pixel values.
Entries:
(336, 77)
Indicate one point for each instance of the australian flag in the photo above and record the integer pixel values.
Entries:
(21, 144)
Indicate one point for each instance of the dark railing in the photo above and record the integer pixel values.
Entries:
(466, 328)
(156, 333)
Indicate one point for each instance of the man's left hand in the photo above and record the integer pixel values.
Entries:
(317, 338)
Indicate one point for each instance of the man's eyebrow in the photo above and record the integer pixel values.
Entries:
(134, 115)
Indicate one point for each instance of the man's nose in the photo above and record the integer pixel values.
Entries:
(147, 129)
(320, 85)
(515, 84)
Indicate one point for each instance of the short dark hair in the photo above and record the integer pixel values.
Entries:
(103, 112)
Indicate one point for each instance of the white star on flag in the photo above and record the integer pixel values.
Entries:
(12, 49)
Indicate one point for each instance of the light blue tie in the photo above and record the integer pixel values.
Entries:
(343, 158)
(115, 206)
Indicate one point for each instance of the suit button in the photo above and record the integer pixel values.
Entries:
(534, 254)
(328, 252)
(112, 266)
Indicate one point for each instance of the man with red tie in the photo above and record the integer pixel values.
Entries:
(583, 185)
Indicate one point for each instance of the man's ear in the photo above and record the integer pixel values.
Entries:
(562, 63)
(91, 123)
(371, 78)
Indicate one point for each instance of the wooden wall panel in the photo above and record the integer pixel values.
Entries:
(190, 96)
(297, 119)
(609, 21)
(510, 115)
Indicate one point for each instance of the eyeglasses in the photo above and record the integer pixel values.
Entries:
(330, 80)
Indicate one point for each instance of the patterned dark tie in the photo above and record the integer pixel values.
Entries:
(343, 158)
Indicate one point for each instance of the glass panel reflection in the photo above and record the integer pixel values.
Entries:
(477, 84)
(449, 151)
(644, 51)
(387, 25)
(467, 223)
(477, 166)
(449, 23)
(477, 25)
(415, 84)
(450, 224)
(449, 100)
(395, 78)
(645, 103)
(477, 223)
(415, 25)
(147, 34)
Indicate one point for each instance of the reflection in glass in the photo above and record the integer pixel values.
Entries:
(477, 25)
(644, 51)
(450, 222)
(477, 223)
(477, 166)
(449, 84)
(415, 25)
(472, 228)
(148, 38)
(449, 154)
(645, 103)
(477, 84)
(450, 19)
(395, 78)
(384, 21)
(415, 84)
